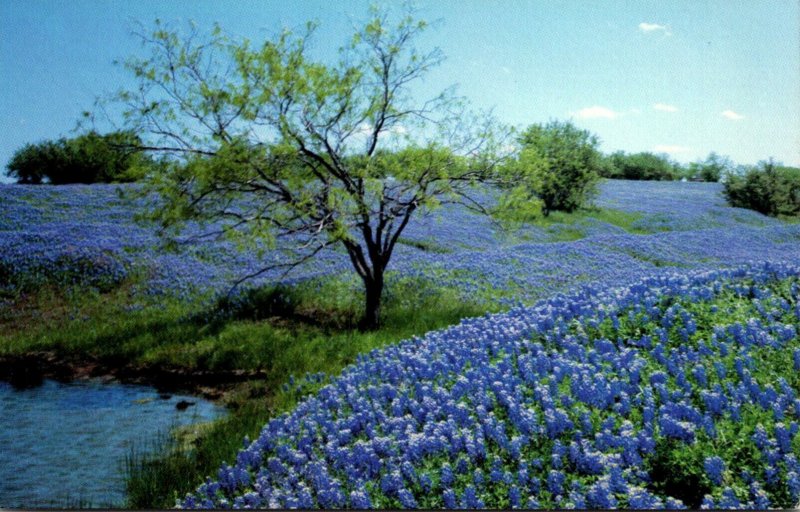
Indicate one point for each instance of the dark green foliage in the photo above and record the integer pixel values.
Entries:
(258, 304)
(29, 163)
(688, 484)
(640, 166)
(571, 167)
(88, 158)
(767, 188)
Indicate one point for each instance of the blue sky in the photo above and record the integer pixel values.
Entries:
(681, 77)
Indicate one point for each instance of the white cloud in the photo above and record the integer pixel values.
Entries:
(366, 129)
(730, 114)
(397, 129)
(596, 112)
(654, 27)
(670, 149)
(663, 107)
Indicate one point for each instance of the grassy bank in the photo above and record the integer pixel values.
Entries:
(279, 333)
(570, 226)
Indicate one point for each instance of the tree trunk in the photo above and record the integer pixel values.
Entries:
(372, 309)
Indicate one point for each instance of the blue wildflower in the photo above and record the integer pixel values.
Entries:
(714, 466)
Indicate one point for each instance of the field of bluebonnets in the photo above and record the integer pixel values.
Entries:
(89, 234)
(645, 363)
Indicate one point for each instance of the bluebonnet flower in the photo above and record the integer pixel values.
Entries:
(793, 484)
(406, 498)
(426, 483)
(446, 476)
(641, 499)
(675, 429)
(555, 482)
(578, 500)
(557, 422)
(759, 496)
(477, 478)
(449, 499)
(470, 498)
(391, 483)
(360, 500)
(714, 466)
(658, 378)
(599, 495)
(514, 497)
(784, 436)
(715, 402)
(728, 500)
(674, 504)
(708, 503)
(760, 438)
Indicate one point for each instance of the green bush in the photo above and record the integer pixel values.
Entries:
(767, 188)
(88, 158)
(713, 168)
(568, 164)
(640, 166)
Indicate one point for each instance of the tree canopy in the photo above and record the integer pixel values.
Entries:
(88, 158)
(557, 167)
(303, 153)
(712, 168)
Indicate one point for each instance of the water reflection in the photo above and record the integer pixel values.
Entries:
(63, 444)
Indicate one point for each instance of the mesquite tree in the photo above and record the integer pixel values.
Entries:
(275, 146)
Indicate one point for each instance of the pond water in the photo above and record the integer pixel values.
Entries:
(63, 445)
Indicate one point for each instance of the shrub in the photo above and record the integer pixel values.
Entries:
(89, 158)
(767, 188)
(641, 166)
(568, 161)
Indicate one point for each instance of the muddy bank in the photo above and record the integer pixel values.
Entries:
(31, 369)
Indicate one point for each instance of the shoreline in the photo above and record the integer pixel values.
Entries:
(30, 369)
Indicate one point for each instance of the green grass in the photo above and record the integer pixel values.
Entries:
(619, 218)
(424, 245)
(280, 332)
(568, 227)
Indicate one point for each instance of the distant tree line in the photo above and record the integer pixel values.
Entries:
(89, 158)
(651, 166)
(556, 167)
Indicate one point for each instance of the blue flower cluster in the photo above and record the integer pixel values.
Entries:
(605, 398)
